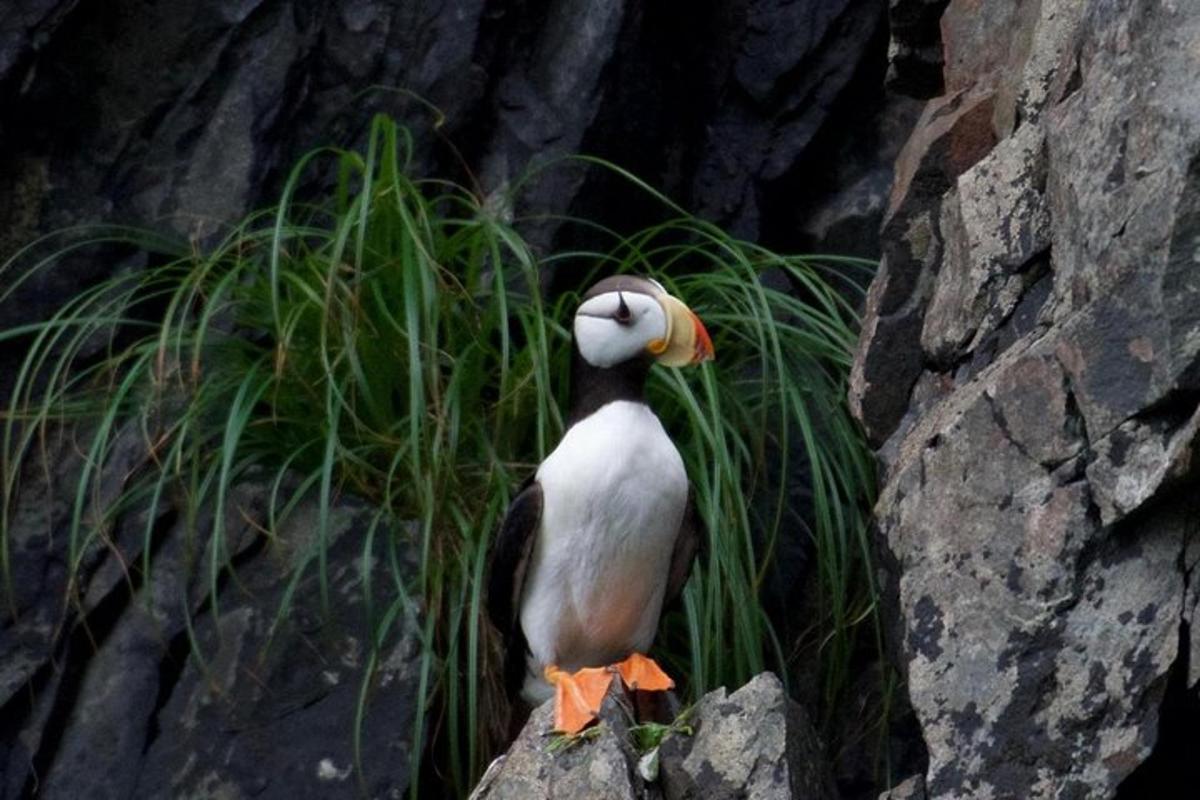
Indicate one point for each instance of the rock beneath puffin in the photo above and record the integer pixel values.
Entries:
(602, 764)
(755, 743)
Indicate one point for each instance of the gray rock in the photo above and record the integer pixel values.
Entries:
(951, 136)
(38, 539)
(185, 115)
(787, 65)
(976, 39)
(192, 696)
(602, 766)
(997, 214)
(909, 789)
(1139, 460)
(755, 744)
(547, 105)
(265, 705)
(1191, 607)
(25, 27)
(1036, 444)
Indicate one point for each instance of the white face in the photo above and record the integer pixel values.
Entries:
(617, 326)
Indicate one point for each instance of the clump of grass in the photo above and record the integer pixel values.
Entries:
(648, 735)
(393, 343)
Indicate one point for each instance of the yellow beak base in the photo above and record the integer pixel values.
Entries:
(687, 341)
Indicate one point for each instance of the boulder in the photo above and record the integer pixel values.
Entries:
(755, 744)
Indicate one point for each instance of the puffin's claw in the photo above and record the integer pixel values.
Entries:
(643, 674)
(577, 697)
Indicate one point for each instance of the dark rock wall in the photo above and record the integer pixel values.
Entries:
(1030, 372)
(184, 115)
(149, 684)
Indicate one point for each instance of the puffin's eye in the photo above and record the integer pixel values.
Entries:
(623, 316)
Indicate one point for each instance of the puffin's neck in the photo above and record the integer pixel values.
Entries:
(593, 387)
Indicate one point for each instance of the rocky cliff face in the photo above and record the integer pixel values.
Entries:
(1029, 366)
(1030, 372)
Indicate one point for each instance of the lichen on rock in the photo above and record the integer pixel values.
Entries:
(1036, 449)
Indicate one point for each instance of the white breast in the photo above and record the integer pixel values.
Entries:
(613, 496)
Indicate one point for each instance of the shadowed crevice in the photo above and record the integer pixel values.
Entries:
(1172, 770)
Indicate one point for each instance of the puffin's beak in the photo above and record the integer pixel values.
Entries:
(687, 341)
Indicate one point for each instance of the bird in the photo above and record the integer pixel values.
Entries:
(602, 536)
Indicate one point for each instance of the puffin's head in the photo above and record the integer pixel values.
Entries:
(626, 317)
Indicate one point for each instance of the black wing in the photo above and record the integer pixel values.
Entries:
(692, 536)
(506, 579)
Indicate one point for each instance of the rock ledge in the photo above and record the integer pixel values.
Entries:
(755, 743)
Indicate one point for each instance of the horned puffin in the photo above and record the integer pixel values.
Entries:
(604, 533)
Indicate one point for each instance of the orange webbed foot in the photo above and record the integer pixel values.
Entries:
(577, 696)
(641, 673)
